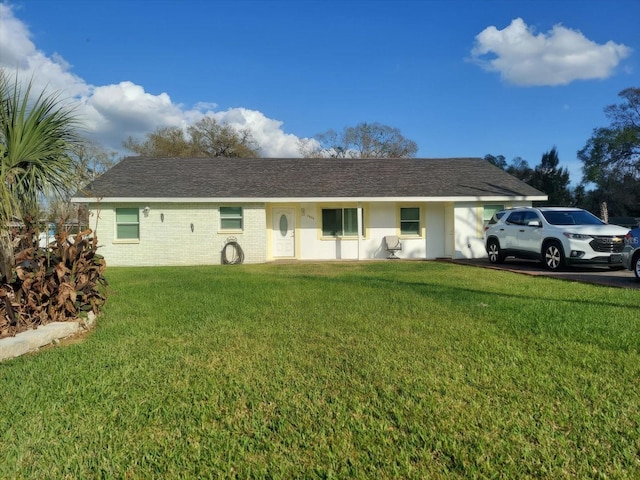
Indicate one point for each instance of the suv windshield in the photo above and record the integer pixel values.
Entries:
(571, 217)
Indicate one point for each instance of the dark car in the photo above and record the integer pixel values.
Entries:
(631, 252)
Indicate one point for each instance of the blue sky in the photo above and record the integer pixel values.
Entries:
(459, 77)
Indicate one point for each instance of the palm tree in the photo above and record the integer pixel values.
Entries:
(36, 143)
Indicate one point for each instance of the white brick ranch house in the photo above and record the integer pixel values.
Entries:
(176, 211)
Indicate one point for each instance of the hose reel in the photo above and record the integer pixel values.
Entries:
(232, 253)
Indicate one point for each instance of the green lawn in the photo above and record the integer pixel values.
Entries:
(334, 370)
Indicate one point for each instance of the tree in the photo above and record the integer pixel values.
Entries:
(37, 139)
(611, 157)
(520, 168)
(621, 197)
(365, 140)
(204, 139)
(210, 139)
(498, 161)
(550, 179)
(164, 142)
(90, 161)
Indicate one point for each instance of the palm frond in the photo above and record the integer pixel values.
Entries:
(36, 143)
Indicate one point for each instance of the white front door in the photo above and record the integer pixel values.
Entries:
(439, 227)
(436, 227)
(283, 228)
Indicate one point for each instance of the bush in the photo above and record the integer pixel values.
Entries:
(61, 282)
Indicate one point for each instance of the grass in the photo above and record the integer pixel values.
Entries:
(334, 370)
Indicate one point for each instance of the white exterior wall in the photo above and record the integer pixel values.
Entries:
(468, 231)
(379, 220)
(171, 241)
(448, 230)
(469, 227)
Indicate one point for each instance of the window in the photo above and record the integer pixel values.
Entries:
(410, 221)
(529, 217)
(515, 218)
(127, 223)
(338, 222)
(230, 218)
(489, 212)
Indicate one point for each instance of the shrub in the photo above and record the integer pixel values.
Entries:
(60, 282)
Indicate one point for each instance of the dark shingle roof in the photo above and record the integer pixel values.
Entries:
(185, 178)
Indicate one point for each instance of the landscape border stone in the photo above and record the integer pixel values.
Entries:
(32, 340)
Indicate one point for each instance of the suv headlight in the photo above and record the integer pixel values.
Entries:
(577, 236)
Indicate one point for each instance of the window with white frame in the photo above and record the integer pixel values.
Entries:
(410, 221)
(339, 222)
(231, 218)
(127, 223)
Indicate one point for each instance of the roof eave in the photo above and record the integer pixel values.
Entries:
(430, 199)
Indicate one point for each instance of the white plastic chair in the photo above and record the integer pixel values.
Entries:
(393, 245)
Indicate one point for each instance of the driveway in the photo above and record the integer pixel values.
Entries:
(587, 274)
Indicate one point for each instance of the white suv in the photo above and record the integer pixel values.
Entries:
(556, 236)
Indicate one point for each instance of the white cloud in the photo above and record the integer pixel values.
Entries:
(15, 42)
(557, 58)
(19, 54)
(112, 113)
(266, 131)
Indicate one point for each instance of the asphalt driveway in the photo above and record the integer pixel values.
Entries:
(600, 275)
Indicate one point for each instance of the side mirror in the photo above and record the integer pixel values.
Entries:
(534, 223)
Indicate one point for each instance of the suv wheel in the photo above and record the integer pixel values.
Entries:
(553, 256)
(635, 264)
(493, 249)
